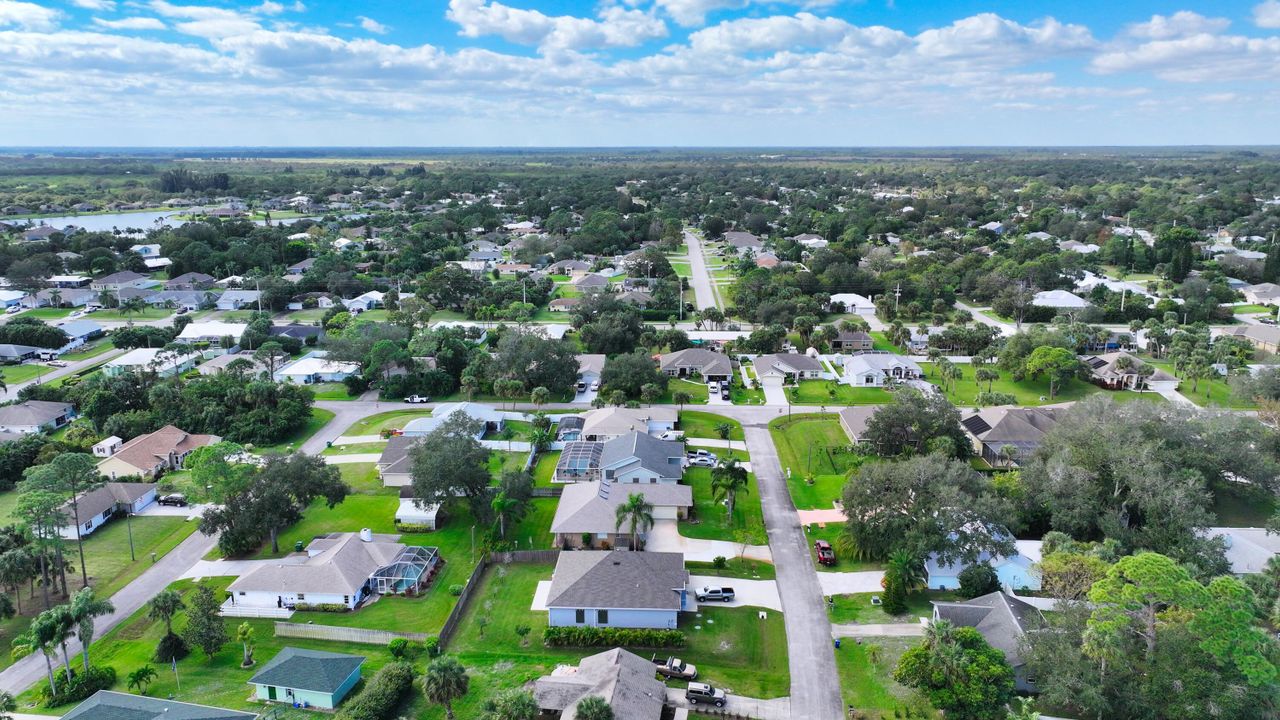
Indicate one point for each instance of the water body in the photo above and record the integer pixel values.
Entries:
(135, 220)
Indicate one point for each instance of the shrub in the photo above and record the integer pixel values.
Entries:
(411, 528)
(381, 694)
(978, 579)
(609, 637)
(171, 647)
(720, 562)
(455, 590)
(322, 607)
(79, 687)
(432, 646)
(397, 647)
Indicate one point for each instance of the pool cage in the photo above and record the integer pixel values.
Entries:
(407, 573)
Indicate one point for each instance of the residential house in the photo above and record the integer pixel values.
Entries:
(315, 367)
(579, 461)
(1017, 571)
(623, 679)
(307, 678)
(366, 301)
(590, 368)
(852, 341)
(69, 281)
(993, 226)
(486, 257)
(1247, 549)
(1262, 294)
(121, 280)
(33, 416)
(154, 453)
(779, 368)
(297, 332)
(78, 333)
(638, 298)
(151, 250)
(212, 331)
(490, 420)
(394, 464)
(10, 354)
(767, 260)
(740, 240)
(1002, 620)
(1262, 337)
(164, 363)
(711, 366)
(611, 422)
(1060, 299)
(615, 588)
(190, 281)
(641, 458)
(589, 509)
(563, 304)
(245, 363)
(301, 266)
(810, 241)
(854, 420)
(878, 369)
(108, 705)
(569, 267)
(992, 429)
(1122, 371)
(96, 507)
(189, 300)
(340, 569)
(11, 298)
(592, 283)
(237, 299)
(55, 297)
(40, 232)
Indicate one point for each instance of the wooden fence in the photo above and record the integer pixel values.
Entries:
(343, 634)
(512, 557)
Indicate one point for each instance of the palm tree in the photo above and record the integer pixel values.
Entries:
(85, 608)
(1007, 454)
(445, 681)
(637, 513)
(62, 625)
(40, 637)
(164, 606)
(55, 297)
(908, 568)
(727, 480)
(131, 307)
(502, 507)
(593, 707)
(7, 705)
(539, 396)
(681, 397)
(244, 634)
(142, 677)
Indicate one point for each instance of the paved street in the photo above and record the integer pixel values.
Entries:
(12, 392)
(700, 278)
(815, 683)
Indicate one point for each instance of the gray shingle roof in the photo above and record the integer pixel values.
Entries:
(592, 506)
(107, 705)
(618, 579)
(625, 680)
(637, 449)
(1001, 618)
(33, 412)
(788, 362)
(704, 361)
(99, 501)
(340, 563)
(1011, 424)
(313, 670)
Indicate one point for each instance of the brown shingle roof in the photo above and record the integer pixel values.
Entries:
(145, 451)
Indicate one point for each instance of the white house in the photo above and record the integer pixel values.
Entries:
(878, 369)
(212, 331)
(490, 420)
(776, 369)
(854, 303)
(1059, 299)
(619, 589)
(96, 507)
(10, 298)
(367, 301)
(236, 299)
(33, 416)
(150, 250)
(315, 367)
(78, 333)
(164, 363)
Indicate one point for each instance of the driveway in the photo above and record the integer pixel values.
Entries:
(158, 510)
(753, 593)
(847, 583)
(699, 278)
(349, 459)
(740, 706)
(887, 630)
(774, 394)
(665, 537)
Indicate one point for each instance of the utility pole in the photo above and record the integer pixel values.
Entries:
(897, 293)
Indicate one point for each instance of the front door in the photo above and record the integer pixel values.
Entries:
(271, 692)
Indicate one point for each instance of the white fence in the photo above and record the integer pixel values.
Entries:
(245, 611)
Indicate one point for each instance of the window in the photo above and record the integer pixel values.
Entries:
(346, 599)
(242, 593)
(579, 616)
(302, 596)
(602, 617)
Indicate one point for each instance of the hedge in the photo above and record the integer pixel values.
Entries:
(381, 695)
(586, 636)
(322, 607)
(413, 528)
(81, 686)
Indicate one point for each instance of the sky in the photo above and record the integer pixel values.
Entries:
(572, 73)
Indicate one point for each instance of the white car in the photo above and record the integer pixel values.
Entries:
(701, 461)
(672, 435)
(417, 399)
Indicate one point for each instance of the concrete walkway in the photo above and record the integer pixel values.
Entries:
(833, 516)
(847, 583)
(740, 706)
(31, 669)
(350, 459)
(746, 593)
(665, 537)
(886, 630)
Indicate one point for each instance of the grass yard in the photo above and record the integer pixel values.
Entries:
(218, 681)
(500, 461)
(332, 391)
(1215, 391)
(740, 568)
(819, 495)
(90, 351)
(712, 521)
(355, 449)
(831, 533)
(545, 468)
(697, 391)
(106, 551)
(14, 374)
(363, 478)
(703, 425)
(48, 313)
(1252, 309)
(306, 317)
(795, 435)
(857, 609)
(963, 392)
(391, 420)
(880, 341)
(533, 532)
(870, 688)
(739, 395)
(319, 418)
(149, 313)
(829, 392)
(1243, 506)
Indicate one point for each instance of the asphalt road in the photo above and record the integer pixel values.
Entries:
(699, 278)
(12, 392)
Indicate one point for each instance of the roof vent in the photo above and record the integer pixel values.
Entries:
(366, 535)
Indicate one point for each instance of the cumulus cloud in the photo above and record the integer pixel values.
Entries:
(1180, 24)
(1267, 14)
(692, 13)
(1198, 58)
(616, 26)
(130, 23)
(989, 35)
(99, 5)
(372, 25)
(206, 22)
(27, 16)
(785, 32)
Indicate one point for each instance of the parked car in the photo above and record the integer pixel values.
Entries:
(709, 594)
(700, 461)
(180, 311)
(701, 452)
(674, 667)
(724, 392)
(671, 435)
(1267, 321)
(582, 387)
(417, 399)
(826, 556)
(175, 499)
(56, 363)
(704, 693)
(14, 309)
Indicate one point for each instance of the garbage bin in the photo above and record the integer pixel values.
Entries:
(328, 443)
(837, 643)
(297, 546)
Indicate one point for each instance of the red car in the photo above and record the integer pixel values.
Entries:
(826, 556)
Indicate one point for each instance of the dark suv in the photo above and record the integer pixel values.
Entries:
(175, 499)
(704, 693)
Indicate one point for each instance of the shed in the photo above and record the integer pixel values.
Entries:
(309, 678)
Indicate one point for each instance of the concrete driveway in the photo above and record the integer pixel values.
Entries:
(349, 459)
(699, 278)
(847, 583)
(738, 705)
(665, 537)
(753, 593)
(915, 629)
(775, 395)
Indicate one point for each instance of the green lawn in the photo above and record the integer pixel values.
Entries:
(148, 313)
(14, 374)
(735, 567)
(89, 351)
(500, 460)
(306, 317)
(819, 495)
(857, 609)
(739, 395)
(712, 521)
(106, 551)
(1243, 506)
(870, 688)
(697, 391)
(1215, 391)
(703, 425)
(1027, 392)
(363, 478)
(391, 420)
(545, 468)
(879, 341)
(844, 563)
(521, 429)
(48, 313)
(813, 443)
(319, 418)
(830, 392)
(332, 391)
(355, 449)
(533, 532)
(1252, 309)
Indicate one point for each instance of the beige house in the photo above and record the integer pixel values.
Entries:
(150, 455)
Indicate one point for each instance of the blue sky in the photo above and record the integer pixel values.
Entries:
(638, 72)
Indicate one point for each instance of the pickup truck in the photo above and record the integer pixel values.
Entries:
(674, 667)
(417, 399)
(708, 594)
(826, 556)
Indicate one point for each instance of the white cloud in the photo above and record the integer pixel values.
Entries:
(616, 26)
(1199, 58)
(1267, 14)
(268, 7)
(99, 5)
(27, 16)
(993, 37)
(372, 25)
(206, 22)
(1180, 24)
(692, 13)
(130, 23)
(785, 32)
